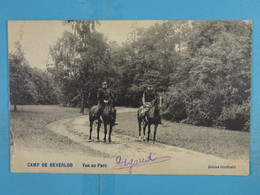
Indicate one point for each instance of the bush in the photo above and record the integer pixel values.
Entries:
(198, 113)
(174, 106)
(236, 117)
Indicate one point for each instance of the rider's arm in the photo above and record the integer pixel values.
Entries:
(143, 99)
(110, 96)
(155, 95)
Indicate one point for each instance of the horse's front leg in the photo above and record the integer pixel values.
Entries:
(144, 127)
(110, 132)
(90, 130)
(98, 129)
(140, 128)
(105, 133)
(155, 129)
(149, 131)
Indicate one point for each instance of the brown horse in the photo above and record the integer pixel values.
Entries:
(153, 118)
(109, 118)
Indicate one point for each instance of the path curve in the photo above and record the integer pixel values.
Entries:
(183, 161)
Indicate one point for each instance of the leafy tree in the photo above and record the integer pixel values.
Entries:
(215, 79)
(203, 66)
(81, 59)
(22, 89)
(45, 89)
(28, 85)
(150, 56)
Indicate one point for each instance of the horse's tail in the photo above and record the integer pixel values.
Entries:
(140, 113)
(92, 112)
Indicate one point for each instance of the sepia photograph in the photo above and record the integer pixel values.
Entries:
(153, 97)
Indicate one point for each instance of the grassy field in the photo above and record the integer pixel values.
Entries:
(28, 127)
(219, 142)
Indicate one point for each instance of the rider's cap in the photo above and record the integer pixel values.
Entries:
(104, 83)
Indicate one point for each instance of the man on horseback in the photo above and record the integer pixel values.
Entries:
(104, 96)
(148, 98)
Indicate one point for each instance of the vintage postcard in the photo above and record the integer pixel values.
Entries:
(130, 97)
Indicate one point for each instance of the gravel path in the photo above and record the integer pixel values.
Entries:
(181, 161)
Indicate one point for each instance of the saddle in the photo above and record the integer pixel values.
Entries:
(145, 108)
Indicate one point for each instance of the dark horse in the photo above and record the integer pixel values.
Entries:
(153, 118)
(109, 117)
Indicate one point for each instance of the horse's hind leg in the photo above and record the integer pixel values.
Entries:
(105, 133)
(110, 132)
(98, 129)
(155, 129)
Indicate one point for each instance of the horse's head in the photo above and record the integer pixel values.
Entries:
(153, 114)
(109, 113)
(111, 109)
(158, 101)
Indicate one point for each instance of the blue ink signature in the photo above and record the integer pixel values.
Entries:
(125, 164)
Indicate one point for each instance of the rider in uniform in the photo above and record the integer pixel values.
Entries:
(104, 96)
(149, 96)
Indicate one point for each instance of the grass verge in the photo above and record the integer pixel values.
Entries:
(209, 140)
(28, 123)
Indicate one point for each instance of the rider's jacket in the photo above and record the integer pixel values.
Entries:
(148, 96)
(103, 94)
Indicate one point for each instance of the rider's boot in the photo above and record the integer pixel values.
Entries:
(99, 120)
(160, 122)
(99, 117)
